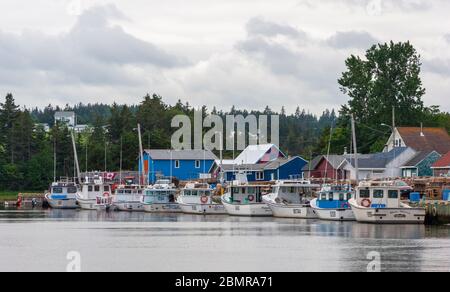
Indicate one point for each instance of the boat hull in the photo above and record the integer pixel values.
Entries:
(87, 204)
(129, 206)
(292, 211)
(162, 208)
(333, 214)
(203, 209)
(70, 203)
(248, 210)
(388, 215)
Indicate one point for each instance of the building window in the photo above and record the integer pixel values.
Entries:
(177, 164)
(197, 164)
(259, 175)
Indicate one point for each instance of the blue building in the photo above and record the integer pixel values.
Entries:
(279, 169)
(181, 164)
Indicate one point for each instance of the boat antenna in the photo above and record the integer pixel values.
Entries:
(141, 156)
(355, 147)
(54, 159)
(76, 157)
(328, 154)
(121, 158)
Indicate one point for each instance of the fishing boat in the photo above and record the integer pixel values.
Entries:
(200, 198)
(161, 198)
(128, 198)
(291, 199)
(62, 195)
(244, 199)
(332, 203)
(95, 194)
(380, 202)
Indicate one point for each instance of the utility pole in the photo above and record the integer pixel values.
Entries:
(355, 149)
(393, 126)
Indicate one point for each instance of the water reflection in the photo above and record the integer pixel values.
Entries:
(122, 241)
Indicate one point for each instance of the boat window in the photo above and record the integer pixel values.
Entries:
(90, 189)
(58, 190)
(106, 188)
(208, 193)
(364, 194)
(341, 197)
(324, 196)
(140, 192)
(349, 196)
(378, 194)
(71, 190)
(194, 193)
(393, 194)
(120, 191)
(330, 197)
(250, 190)
(97, 189)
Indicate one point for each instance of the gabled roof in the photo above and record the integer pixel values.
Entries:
(180, 154)
(426, 139)
(275, 164)
(334, 160)
(444, 162)
(254, 153)
(377, 160)
(420, 156)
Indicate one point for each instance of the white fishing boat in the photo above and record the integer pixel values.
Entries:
(128, 198)
(380, 202)
(200, 198)
(246, 200)
(161, 198)
(332, 203)
(291, 199)
(95, 194)
(62, 195)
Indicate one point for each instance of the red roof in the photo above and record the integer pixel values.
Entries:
(426, 139)
(444, 162)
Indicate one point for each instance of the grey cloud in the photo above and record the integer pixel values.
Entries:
(259, 26)
(385, 6)
(352, 39)
(92, 52)
(437, 66)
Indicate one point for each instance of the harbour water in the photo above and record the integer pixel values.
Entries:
(41, 240)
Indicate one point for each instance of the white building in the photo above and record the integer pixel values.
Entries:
(68, 118)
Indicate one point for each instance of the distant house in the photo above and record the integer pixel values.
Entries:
(67, 118)
(278, 169)
(442, 166)
(181, 164)
(379, 165)
(420, 165)
(326, 167)
(420, 139)
(44, 126)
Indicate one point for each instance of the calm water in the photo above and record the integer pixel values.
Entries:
(40, 241)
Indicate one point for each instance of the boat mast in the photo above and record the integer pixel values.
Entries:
(141, 156)
(54, 160)
(355, 149)
(75, 154)
(121, 157)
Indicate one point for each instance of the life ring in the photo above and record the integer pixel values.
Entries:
(204, 199)
(251, 198)
(366, 203)
(106, 194)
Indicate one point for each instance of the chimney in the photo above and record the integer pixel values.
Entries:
(345, 151)
(421, 130)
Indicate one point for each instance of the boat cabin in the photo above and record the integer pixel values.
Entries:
(163, 192)
(334, 197)
(381, 194)
(128, 193)
(61, 190)
(93, 188)
(248, 194)
(294, 192)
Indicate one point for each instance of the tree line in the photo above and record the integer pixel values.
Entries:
(387, 77)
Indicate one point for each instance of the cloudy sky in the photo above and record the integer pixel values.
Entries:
(248, 53)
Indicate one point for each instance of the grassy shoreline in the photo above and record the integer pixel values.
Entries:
(12, 195)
